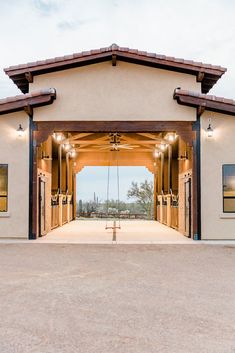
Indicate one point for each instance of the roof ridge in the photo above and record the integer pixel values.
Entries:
(210, 97)
(114, 47)
(24, 96)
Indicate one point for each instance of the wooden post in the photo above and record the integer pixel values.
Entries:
(169, 184)
(68, 207)
(162, 173)
(155, 180)
(67, 171)
(60, 210)
(168, 210)
(34, 212)
(60, 168)
(74, 195)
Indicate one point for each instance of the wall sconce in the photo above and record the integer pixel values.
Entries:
(156, 153)
(163, 146)
(209, 130)
(67, 146)
(58, 136)
(20, 131)
(171, 137)
(73, 153)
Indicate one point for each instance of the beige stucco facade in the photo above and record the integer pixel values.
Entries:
(125, 92)
(215, 152)
(14, 151)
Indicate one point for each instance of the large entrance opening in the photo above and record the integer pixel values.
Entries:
(166, 149)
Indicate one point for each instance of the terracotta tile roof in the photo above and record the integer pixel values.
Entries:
(209, 74)
(209, 102)
(23, 101)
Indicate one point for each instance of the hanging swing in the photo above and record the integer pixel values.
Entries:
(116, 223)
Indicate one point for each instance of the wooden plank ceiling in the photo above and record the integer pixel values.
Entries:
(103, 142)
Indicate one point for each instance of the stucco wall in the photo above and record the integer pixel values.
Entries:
(125, 92)
(14, 151)
(214, 153)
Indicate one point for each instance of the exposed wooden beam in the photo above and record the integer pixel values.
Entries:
(29, 77)
(114, 59)
(134, 150)
(200, 76)
(201, 108)
(28, 110)
(150, 136)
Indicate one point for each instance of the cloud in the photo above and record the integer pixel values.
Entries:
(72, 25)
(46, 7)
(59, 27)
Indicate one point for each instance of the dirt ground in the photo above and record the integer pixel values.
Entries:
(117, 298)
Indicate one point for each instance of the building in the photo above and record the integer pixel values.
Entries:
(74, 107)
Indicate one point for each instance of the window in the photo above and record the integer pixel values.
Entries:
(3, 187)
(228, 188)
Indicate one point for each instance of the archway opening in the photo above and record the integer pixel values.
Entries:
(164, 154)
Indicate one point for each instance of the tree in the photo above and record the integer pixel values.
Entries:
(143, 194)
(80, 208)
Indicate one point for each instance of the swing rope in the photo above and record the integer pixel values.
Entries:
(118, 194)
(107, 201)
(118, 188)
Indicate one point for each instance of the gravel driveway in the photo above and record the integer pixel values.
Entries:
(57, 298)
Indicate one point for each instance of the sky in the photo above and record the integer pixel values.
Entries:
(95, 179)
(200, 30)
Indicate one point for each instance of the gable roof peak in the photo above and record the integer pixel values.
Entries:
(207, 74)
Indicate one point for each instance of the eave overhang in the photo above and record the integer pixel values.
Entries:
(207, 74)
(205, 102)
(27, 101)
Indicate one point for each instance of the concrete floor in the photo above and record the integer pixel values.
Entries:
(93, 231)
(117, 299)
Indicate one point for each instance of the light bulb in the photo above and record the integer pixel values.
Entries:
(20, 131)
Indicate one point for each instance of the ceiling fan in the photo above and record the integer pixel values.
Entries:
(115, 143)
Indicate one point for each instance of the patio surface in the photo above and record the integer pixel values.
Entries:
(93, 231)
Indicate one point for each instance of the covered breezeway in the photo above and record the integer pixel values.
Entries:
(93, 231)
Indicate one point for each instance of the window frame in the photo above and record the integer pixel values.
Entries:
(7, 188)
(226, 197)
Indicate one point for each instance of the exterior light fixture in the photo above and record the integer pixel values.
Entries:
(171, 137)
(209, 130)
(67, 146)
(156, 153)
(163, 146)
(20, 131)
(73, 153)
(58, 136)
